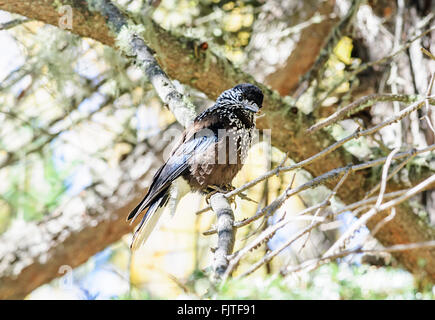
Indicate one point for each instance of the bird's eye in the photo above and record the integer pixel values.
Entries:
(240, 98)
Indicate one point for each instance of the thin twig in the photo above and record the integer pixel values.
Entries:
(384, 177)
(392, 174)
(363, 103)
(357, 134)
(427, 102)
(332, 194)
(333, 174)
(372, 212)
(384, 222)
(314, 263)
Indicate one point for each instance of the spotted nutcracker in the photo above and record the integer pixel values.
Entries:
(208, 156)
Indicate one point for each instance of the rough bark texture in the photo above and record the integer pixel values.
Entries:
(212, 74)
(399, 231)
(65, 247)
(85, 23)
(31, 255)
(302, 58)
(226, 233)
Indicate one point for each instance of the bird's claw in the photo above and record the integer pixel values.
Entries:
(208, 196)
(213, 189)
(228, 187)
(224, 189)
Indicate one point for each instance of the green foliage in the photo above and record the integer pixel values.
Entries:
(329, 282)
(332, 281)
(135, 294)
(35, 189)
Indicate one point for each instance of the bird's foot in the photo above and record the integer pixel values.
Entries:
(208, 196)
(229, 187)
(213, 189)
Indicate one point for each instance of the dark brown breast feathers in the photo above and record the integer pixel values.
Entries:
(223, 159)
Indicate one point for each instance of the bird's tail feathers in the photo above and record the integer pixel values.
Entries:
(149, 221)
(136, 211)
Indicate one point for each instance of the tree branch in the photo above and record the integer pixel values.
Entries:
(362, 103)
(226, 233)
(314, 263)
(304, 56)
(135, 47)
(31, 254)
(211, 74)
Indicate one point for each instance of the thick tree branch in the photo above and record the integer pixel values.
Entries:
(226, 233)
(303, 57)
(183, 110)
(46, 246)
(31, 255)
(211, 74)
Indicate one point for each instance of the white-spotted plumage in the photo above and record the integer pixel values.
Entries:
(196, 160)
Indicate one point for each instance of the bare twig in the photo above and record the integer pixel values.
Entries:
(362, 103)
(332, 194)
(427, 102)
(384, 177)
(384, 221)
(330, 175)
(315, 263)
(394, 75)
(372, 212)
(13, 23)
(392, 174)
(367, 203)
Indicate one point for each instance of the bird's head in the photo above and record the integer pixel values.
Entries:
(244, 95)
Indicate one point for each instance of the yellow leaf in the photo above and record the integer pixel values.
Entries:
(343, 50)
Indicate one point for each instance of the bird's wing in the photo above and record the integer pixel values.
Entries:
(190, 146)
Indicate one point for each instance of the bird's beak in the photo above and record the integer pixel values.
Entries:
(252, 107)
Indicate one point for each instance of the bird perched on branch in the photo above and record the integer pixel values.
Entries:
(208, 156)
